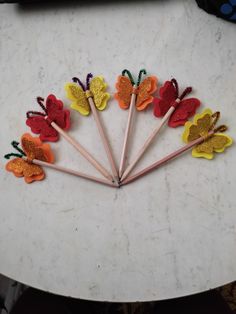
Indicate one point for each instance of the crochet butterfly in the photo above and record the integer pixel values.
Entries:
(201, 126)
(32, 148)
(168, 97)
(126, 87)
(79, 93)
(40, 122)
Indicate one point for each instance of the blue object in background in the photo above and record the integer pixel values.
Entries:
(228, 8)
(225, 9)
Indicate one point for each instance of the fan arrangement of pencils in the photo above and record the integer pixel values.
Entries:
(202, 135)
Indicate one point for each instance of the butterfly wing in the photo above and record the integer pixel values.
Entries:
(145, 91)
(35, 149)
(56, 112)
(186, 109)
(39, 125)
(79, 100)
(199, 127)
(217, 143)
(124, 91)
(21, 168)
(98, 88)
(167, 95)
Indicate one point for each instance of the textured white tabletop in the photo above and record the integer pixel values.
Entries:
(170, 234)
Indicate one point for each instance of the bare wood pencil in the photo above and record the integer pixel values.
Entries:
(104, 139)
(148, 143)
(70, 171)
(127, 134)
(83, 152)
(165, 159)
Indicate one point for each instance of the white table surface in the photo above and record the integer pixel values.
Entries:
(170, 234)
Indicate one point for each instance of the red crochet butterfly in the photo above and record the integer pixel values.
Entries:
(40, 123)
(169, 96)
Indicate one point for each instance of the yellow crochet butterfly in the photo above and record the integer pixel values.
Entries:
(79, 93)
(201, 126)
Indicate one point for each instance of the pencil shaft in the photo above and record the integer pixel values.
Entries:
(127, 134)
(148, 142)
(70, 171)
(83, 152)
(104, 138)
(163, 161)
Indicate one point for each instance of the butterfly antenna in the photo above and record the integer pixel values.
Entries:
(129, 75)
(15, 144)
(221, 128)
(176, 85)
(216, 117)
(187, 91)
(141, 72)
(88, 78)
(77, 80)
(8, 156)
(40, 101)
(37, 113)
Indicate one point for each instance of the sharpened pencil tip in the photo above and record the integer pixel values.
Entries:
(119, 183)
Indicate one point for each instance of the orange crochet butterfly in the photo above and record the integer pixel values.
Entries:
(126, 87)
(32, 148)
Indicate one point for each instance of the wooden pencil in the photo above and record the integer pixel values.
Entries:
(127, 133)
(148, 143)
(83, 152)
(164, 160)
(72, 172)
(104, 139)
